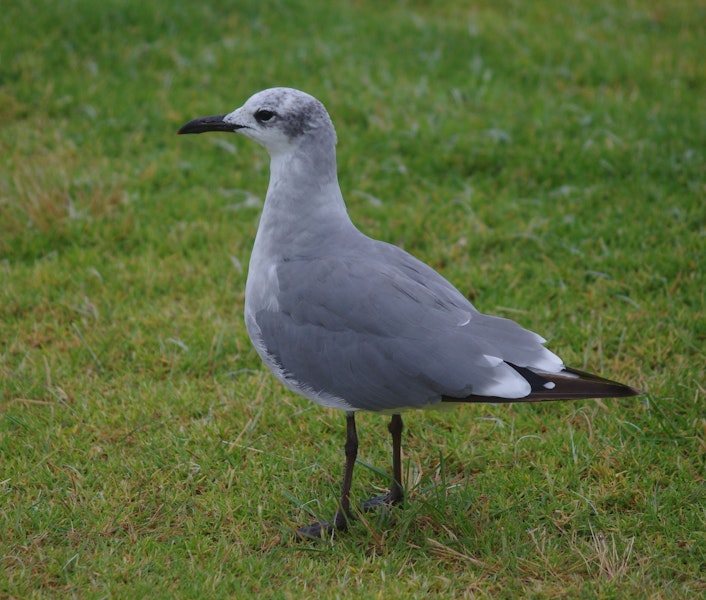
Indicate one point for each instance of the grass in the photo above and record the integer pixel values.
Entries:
(547, 157)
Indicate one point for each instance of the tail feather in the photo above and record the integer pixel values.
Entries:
(568, 384)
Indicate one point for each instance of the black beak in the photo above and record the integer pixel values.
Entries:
(203, 124)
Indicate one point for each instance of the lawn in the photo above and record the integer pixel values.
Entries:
(547, 157)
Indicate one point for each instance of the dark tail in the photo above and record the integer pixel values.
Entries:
(569, 384)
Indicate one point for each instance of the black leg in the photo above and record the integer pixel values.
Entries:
(396, 493)
(395, 428)
(343, 514)
(393, 497)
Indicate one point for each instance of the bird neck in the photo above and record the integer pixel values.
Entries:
(304, 185)
(304, 205)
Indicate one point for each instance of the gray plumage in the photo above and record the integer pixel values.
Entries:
(358, 324)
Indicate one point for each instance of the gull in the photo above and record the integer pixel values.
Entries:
(354, 323)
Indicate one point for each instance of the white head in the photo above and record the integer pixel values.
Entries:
(280, 119)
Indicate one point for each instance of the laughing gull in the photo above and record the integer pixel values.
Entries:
(354, 323)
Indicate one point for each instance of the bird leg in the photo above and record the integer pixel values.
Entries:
(396, 493)
(394, 496)
(343, 514)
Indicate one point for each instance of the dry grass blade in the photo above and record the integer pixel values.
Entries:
(446, 553)
(603, 554)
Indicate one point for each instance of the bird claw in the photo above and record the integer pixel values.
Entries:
(389, 499)
(322, 529)
(315, 531)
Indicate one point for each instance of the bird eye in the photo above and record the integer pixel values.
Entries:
(264, 116)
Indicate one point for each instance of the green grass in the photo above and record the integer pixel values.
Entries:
(547, 157)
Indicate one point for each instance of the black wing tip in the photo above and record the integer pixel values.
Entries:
(578, 385)
(620, 389)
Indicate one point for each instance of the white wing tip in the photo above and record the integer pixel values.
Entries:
(493, 360)
(510, 385)
(547, 361)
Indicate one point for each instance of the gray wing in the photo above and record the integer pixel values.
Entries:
(383, 331)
